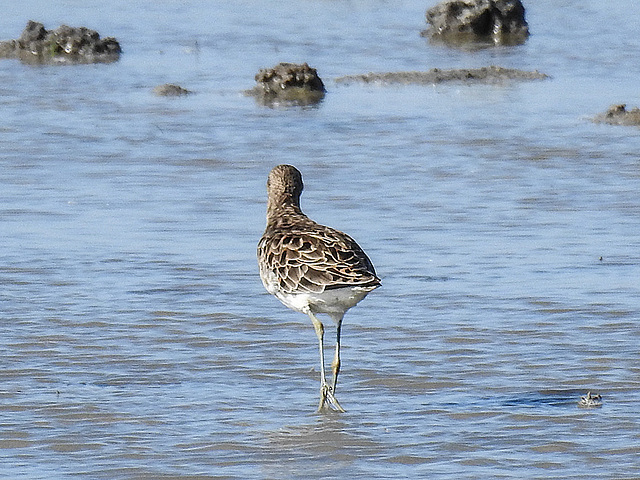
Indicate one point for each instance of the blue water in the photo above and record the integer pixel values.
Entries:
(136, 339)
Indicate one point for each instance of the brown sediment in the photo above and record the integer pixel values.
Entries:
(491, 22)
(170, 90)
(619, 115)
(491, 74)
(289, 83)
(63, 45)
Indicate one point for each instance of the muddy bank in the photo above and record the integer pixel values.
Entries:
(65, 44)
(619, 115)
(492, 74)
(487, 22)
(288, 83)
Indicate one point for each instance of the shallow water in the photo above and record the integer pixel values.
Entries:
(136, 338)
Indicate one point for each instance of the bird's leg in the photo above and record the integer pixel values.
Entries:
(319, 328)
(335, 365)
(326, 395)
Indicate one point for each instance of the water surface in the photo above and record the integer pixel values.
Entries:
(137, 340)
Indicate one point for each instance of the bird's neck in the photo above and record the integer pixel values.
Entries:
(282, 206)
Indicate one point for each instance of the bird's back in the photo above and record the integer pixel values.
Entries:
(298, 255)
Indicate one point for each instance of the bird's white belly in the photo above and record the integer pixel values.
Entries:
(333, 302)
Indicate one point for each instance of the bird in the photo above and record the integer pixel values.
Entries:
(311, 268)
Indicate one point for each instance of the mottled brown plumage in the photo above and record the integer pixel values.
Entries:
(309, 267)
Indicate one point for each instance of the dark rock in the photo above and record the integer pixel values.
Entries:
(170, 90)
(33, 32)
(288, 83)
(492, 74)
(63, 45)
(619, 115)
(497, 22)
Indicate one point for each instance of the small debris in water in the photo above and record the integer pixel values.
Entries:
(590, 401)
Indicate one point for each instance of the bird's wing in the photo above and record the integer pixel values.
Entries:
(314, 260)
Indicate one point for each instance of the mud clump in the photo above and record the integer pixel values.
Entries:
(491, 74)
(288, 83)
(62, 45)
(490, 22)
(619, 115)
(170, 90)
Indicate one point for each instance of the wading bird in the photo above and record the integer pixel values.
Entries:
(311, 268)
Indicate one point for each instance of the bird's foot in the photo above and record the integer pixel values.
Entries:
(328, 400)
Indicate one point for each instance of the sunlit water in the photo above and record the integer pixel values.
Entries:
(137, 341)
